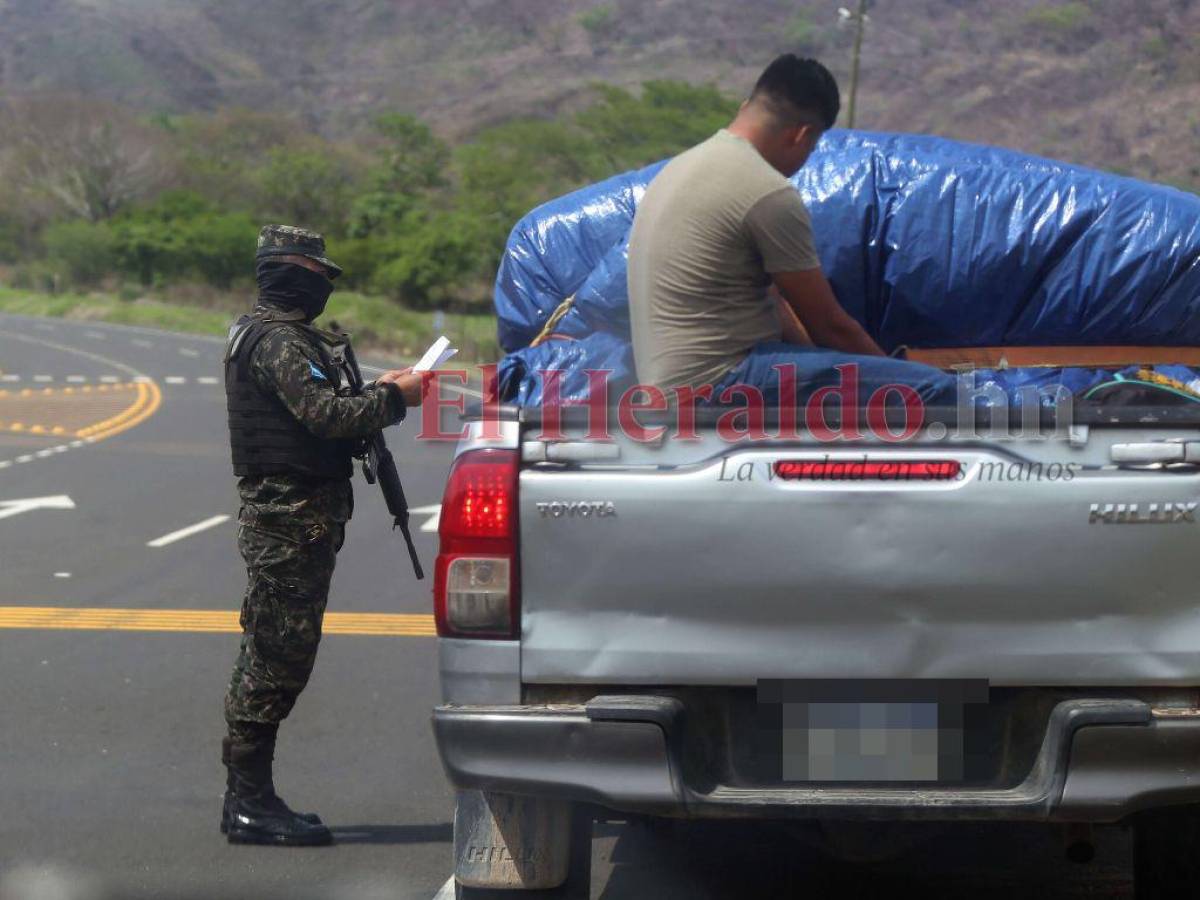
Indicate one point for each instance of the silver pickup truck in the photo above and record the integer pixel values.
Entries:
(992, 622)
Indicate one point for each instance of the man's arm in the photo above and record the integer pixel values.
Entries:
(781, 229)
(809, 295)
(793, 331)
(289, 367)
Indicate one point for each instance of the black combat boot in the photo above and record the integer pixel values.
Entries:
(310, 818)
(255, 814)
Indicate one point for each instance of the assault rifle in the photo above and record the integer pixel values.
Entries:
(379, 466)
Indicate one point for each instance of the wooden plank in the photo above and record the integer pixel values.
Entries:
(1054, 357)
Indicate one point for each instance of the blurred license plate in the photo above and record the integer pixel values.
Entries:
(864, 731)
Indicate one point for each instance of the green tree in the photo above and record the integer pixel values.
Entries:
(510, 168)
(310, 187)
(84, 253)
(429, 265)
(412, 164)
(219, 248)
(182, 235)
(1066, 26)
(359, 257)
(224, 153)
(413, 159)
(79, 157)
(631, 131)
(15, 240)
(147, 251)
(600, 21)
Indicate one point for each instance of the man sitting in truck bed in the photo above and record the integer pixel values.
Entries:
(719, 224)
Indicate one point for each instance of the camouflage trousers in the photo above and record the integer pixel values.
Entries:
(289, 567)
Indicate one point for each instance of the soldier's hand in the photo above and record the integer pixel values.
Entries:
(413, 385)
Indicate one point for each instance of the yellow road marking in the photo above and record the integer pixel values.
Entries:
(146, 401)
(149, 398)
(150, 409)
(126, 413)
(58, 618)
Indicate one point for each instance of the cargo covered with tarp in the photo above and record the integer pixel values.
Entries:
(934, 246)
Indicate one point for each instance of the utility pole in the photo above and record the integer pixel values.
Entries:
(860, 19)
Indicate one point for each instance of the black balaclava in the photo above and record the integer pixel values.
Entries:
(288, 284)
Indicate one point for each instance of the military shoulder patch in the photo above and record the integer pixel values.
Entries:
(317, 373)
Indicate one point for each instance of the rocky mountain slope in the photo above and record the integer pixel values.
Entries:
(1111, 83)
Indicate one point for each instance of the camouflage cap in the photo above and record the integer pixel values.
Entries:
(288, 240)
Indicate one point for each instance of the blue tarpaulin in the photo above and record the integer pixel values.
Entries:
(927, 242)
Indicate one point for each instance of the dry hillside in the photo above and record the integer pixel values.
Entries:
(1112, 83)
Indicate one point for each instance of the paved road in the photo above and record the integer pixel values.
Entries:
(109, 748)
(110, 743)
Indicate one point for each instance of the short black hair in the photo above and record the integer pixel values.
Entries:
(792, 88)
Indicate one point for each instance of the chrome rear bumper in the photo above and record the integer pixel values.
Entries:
(1099, 761)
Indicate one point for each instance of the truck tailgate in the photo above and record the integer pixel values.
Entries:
(714, 572)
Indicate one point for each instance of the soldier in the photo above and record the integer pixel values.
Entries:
(294, 427)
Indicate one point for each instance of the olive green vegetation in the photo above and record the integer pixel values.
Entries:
(375, 322)
(1064, 18)
(169, 207)
(102, 307)
(599, 19)
(1065, 26)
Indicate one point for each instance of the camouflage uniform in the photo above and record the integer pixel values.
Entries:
(291, 528)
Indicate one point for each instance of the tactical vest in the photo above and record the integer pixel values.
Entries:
(265, 437)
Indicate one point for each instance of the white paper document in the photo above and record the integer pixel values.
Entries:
(438, 353)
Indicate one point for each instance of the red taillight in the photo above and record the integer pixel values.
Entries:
(479, 501)
(475, 579)
(868, 470)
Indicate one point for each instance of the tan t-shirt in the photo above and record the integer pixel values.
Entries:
(713, 226)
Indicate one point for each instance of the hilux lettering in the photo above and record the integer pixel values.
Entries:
(1133, 514)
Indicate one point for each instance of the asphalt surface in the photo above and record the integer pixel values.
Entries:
(109, 750)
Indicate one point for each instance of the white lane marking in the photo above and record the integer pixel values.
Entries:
(96, 335)
(141, 342)
(131, 373)
(188, 351)
(446, 892)
(39, 322)
(187, 532)
(10, 508)
(114, 379)
(62, 574)
(74, 351)
(435, 516)
(42, 454)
